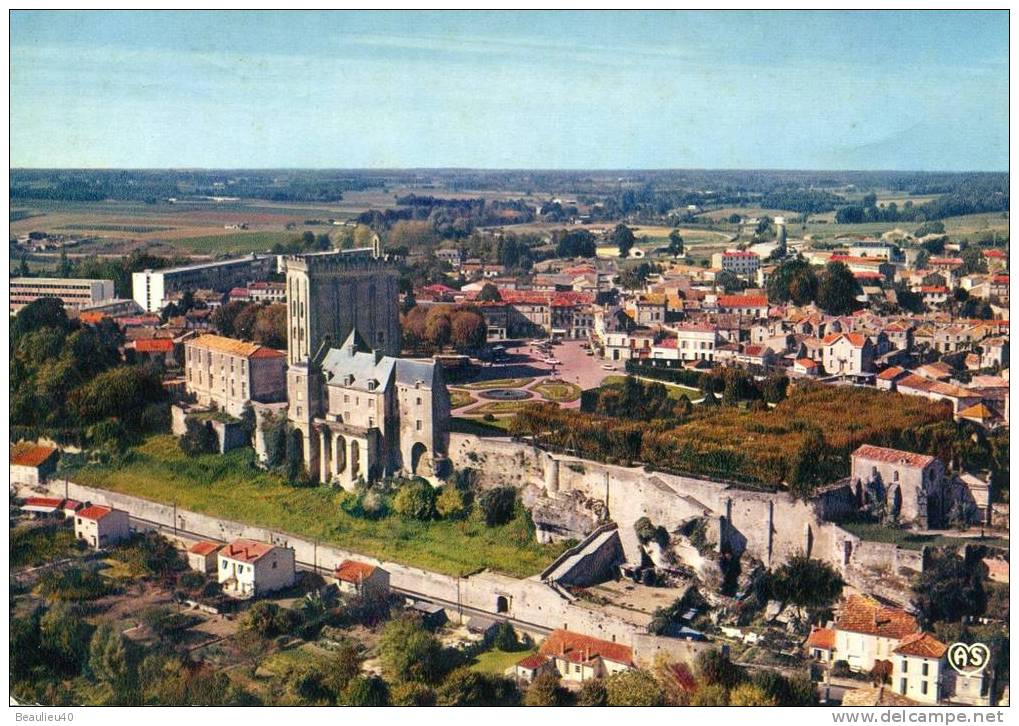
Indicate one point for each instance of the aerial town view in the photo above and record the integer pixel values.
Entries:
(567, 358)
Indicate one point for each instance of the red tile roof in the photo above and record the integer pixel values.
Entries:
(933, 289)
(890, 374)
(95, 512)
(31, 455)
(203, 548)
(353, 571)
(892, 456)
(742, 301)
(43, 502)
(821, 638)
(245, 550)
(994, 253)
(579, 648)
(740, 253)
(91, 317)
(532, 662)
(922, 645)
(806, 363)
(153, 345)
(862, 614)
(945, 261)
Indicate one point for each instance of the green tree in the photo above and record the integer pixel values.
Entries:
(747, 694)
(622, 238)
(464, 687)
(634, 688)
(506, 638)
(545, 690)
(365, 691)
(415, 500)
(973, 261)
(46, 312)
(498, 505)
(65, 268)
(450, 503)
(468, 331)
(489, 293)
(715, 668)
(411, 694)
(710, 694)
(409, 652)
(113, 661)
(675, 243)
(793, 281)
(806, 582)
(807, 470)
(948, 589)
(837, 289)
(268, 620)
(64, 637)
(593, 693)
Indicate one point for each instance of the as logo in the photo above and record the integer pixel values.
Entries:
(968, 659)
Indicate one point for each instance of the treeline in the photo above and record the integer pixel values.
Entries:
(68, 382)
(948, 205)
(803, 442)
(433, 328)
(450, 218)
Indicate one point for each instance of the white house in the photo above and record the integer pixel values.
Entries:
(867, 631)
(361, 578)
(101, 526)
(248, 568)
(580, 657)
(202, 556)
(847, 354)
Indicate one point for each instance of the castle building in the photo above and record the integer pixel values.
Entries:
(362, 412)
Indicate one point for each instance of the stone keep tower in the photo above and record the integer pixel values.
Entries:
(330, 294)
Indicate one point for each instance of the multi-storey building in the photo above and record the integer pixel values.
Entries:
(329, 295)
(738, 262)
(152, 288)
(231, 373)
(74, 294)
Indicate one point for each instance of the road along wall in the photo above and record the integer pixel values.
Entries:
(527, 601)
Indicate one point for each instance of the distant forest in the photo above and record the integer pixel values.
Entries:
(608, 195)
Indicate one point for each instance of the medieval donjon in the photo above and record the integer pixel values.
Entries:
(362, 412)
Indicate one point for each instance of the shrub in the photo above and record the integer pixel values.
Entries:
(365, 691)
(546, 691)
(593, 693)
(411, 694)
(269, 620)
(498, 505)
(506, 638)
(415, 500)
(450, 503)
(634, 688)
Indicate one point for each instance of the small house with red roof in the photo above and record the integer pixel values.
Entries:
(529, 667)
(847, 354)
(248, 568)
(821, 644)
(100, 526)
(42, 506)
(579, 657)
(806, 367)
(360, 578)
(202, 556)
(917, 668)
(154, 350)
(32, 464)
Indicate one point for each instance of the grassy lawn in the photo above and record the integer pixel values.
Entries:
(500, 407)
(218, 416)
(496, 661)
(501, 383)
(231, 486)
(558, 391)
(873, 532)
(459, 397)
(675, 390)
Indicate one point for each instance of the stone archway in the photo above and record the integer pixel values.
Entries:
(502, 604)
(419, 460)
(341, 454)
(355, 459)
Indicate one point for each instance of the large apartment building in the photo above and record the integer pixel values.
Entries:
(152, 288)
(230, 373)
(75, 294)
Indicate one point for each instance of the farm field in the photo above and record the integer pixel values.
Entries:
(231, 486)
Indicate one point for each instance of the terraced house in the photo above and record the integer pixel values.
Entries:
(230, 373)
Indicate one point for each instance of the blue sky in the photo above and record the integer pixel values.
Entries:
(808, 90)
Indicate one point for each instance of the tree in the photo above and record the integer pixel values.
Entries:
(948, 589)
(806, 582)
(729, 282)
(199, 438)
(593, 693)
(622, 237)
(923, 258)
(634, 688)
(546, 691)
(837, 289)
(450, 503)
(268, 620)
(415, 500)
(65, 269)
(797, 691)
(464, 687)
(715, 668)
(438, 327)
(973, 261)
(489, 293)
(793, 281)
(747, 694)
(506, 638)
(365, 691)
(675, 243)
(468, 331)
(225, 316)
(64, 637)
(411, 694)
(498, 505)
(46, 312)
(807, 470)
(409, 652)
(270, 326)
(113, 661)
(711, 694)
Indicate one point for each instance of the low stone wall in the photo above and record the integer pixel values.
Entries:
(527, 600)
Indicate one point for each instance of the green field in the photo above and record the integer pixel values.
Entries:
(496, 661)
(675, 390)
(230, 486)
(240, 242)
(558, 391)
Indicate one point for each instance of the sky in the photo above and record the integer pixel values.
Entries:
(915, 90)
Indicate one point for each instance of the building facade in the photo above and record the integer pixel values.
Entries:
(74, 294)
(910, 485)
(231, 373)
(153, 288)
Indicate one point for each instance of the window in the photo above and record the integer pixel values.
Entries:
(923, 687)
(902, 685)
(418, 426)
(576, 669)
(905, 665)
(419, 400)
(274, 564)
(926, 667)
(224, 564)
